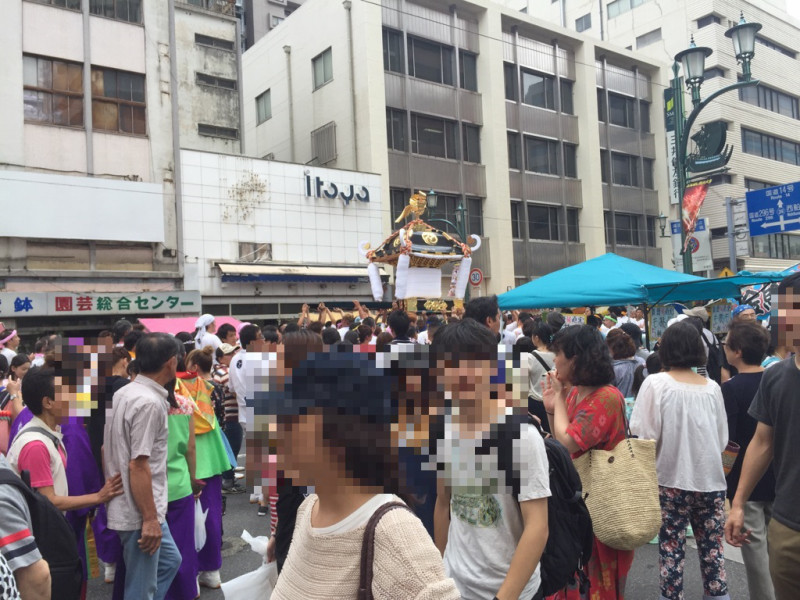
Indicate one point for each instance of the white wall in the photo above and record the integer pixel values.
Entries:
(57, 207)
(302, 230)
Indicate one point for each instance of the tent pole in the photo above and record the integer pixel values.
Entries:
(647, 326)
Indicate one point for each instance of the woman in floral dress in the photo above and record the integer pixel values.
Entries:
(586, 411)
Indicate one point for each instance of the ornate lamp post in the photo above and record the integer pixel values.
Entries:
(743, 36)
(460, 226)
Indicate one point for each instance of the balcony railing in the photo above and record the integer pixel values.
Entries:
(223, 7)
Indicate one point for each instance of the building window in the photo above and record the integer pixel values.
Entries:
(647, 173)
(514, 153)
(396, 129)
(721, 178)
(475, 216)
(604, 166)
(537, 90)
(118, 101)
(626, 228)
(621, 110)
(546, 223)
(398, 199)
(771, 147)
(776, 245)
(624, 169)
(583, 23)
(122, 10)
(434, 137)
(467, 70)
(208, 130)
(516, 220)
(708, 20)
(771, 99)
(644, 112)
(275, 21)
(755, 184)
(393, 57)
(70, 4)
(715, 72)
(213, 42)
(651, 231)
(566, 97)
(777, 47)
(323, 68)
(430, 61)
(541, 156)
(323, 144)
(214, 81)
(619, 7)
(570, 160)
(512, 87)
(471, 136)
(649, 38)
(52, 91)
(263, 107)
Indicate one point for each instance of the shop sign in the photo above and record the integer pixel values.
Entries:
(54, 304)
(319, 188)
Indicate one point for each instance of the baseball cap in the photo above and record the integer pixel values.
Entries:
(227, 348)
(697, 311)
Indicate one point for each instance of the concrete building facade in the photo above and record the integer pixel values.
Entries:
(262, 16)
(763, 123)
(493, 109)
(98, 98)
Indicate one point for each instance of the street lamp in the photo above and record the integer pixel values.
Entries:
(662, 224)
(712, 154)
(432, 200)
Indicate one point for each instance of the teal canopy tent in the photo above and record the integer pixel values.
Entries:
(613, 280)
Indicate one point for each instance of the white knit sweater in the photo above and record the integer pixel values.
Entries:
(407, 565)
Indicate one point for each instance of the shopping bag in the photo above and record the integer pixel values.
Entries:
(621, 488)
(199, 525)
(256, 584)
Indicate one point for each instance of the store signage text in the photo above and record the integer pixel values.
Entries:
(97, 303)
(318, 188)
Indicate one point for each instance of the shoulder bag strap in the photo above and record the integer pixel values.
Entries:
(541, 361)
(368, 549)
(48, 434)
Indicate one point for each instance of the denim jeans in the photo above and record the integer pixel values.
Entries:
(148, 577)
(233, 431)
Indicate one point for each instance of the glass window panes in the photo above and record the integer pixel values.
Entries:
(537, 90)
(541, 156)
(566, 97)
(570, 160)
(393, 56)
(514, 151)
(573, 234)
(770, 99)
(323, 68)
(768, 146)
(468, 74)
(475, 216)
(52, 91)
(430, 61)
(644, 113)
(649, 38)
(583, 23)
(516, 220)
(647, 173)
(543, 222)
(604, 166)
(434, 137)
(624, 169)
(396, 129)
(626, 227)
(118, 101)
(122, 10)
(781, 246)
(399, 200)
(651, 231)
(263, 107)
(472, 143)
(510, 75)
(621, 111)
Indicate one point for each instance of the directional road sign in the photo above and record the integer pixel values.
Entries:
(774, 210)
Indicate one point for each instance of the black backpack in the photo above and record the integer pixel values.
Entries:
(54, 538)
(714, 363)
(570, 540)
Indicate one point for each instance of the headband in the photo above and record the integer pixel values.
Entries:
(9, 338)
(741, 308)
(610, 318)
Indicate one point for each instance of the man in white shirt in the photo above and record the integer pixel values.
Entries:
(238, 381)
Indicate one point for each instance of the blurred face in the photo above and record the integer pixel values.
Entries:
(230, 338)
(789, 318)
(467, 383)
(212, 328)
(608, 323)
(638, 314)
(494, 325)
(225, 359)
(746, 315)
(300, 448)
(13, 343)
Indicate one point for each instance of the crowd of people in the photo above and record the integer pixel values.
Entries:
(408, 453)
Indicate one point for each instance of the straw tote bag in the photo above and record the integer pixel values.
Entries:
(620, 487)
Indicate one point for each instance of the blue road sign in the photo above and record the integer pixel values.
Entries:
(774, 210)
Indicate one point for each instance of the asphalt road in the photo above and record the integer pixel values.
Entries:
(642, 580)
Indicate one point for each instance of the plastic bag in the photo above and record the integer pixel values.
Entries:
(199, 525)
(256, 584)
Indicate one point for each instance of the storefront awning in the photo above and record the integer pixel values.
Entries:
(243, 272)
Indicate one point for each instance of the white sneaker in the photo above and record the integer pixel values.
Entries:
(255, 498)
(210, 579)
(110, 573)
(239, 469)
